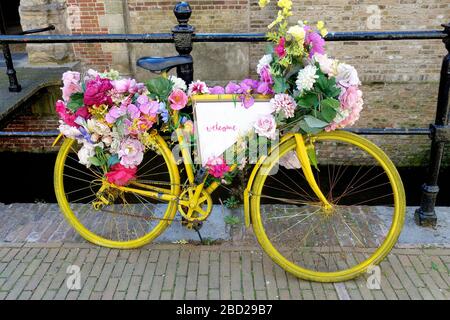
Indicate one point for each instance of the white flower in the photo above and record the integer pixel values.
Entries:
(87, 151)
(347, 75)
(306, 78)
(97, 127)
(264, 61)
(68, 131)
(178, 83)
(327, 65)
(266, 126)
(197, 87)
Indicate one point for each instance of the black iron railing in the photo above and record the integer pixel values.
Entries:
(183, 36)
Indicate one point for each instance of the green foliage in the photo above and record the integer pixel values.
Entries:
(159, 88)
(231, 203)
(75, 102)
(280, 85)
(232, 220)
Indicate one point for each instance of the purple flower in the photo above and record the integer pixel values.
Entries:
(217, 90)
(247, 100)
(133, 111)
(316, 43)
(115, 113)
(264, 88)
(232, 88)
(253, 84)
(266, 76)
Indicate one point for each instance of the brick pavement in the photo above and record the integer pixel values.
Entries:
(165, 271)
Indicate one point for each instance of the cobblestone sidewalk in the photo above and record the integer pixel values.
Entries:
(39, 271)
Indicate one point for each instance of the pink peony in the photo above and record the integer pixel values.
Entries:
(127, 86)
(280, 49)
(217, 167)
(146, 106)
(266, 126)
(350, 109)
(120, 175)
(131, 152)
(71, 81)
(97, 92)
(178, 99)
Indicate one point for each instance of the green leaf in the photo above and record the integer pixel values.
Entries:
(307, 129)
(280, 85)
(329, 109)
(159, 88)
(95, 161)
(311, 151)
(308, 100)
(313, 122)
(75, 102)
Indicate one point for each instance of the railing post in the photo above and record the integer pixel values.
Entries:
(182, 35)
(14, 85)
(426, 214)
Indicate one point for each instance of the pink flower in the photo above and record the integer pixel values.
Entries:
(197, 87)
(68, 116)
(249, 84)
(71, 81)
(133, 111)
(266, 126)
(120, 175)
(280, 49)
(284, 102)
(266, 76)
(178, 99)
(264, 88)
(217, 167)
(127, 86)
(97, 92)
(131, 152)
(115, 113)
(217, 90)
(232, 88)
(146, 106)
(315, 41)
(350, 109)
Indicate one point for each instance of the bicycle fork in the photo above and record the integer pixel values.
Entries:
(307, 171)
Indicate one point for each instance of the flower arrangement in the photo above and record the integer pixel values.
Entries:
(112, 118)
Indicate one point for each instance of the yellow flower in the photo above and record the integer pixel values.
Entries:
(263, 3)
(298, 33)
(321, 27)
(286, 5)
(279, 19)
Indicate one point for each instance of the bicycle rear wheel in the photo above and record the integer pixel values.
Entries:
(129, 220)
(311, 241)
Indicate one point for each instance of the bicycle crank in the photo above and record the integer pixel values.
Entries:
(195, 212)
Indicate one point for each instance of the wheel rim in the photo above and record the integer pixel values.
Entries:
(314, 243)
(130, 220)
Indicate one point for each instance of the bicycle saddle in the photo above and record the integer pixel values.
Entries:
(162, 64)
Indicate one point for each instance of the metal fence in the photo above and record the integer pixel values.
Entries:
(183, 36)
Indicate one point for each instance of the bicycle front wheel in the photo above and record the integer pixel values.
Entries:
(128, 219)
(322, 244)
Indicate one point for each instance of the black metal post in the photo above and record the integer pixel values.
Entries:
(182, 36)
(14, 85)
(426, 214)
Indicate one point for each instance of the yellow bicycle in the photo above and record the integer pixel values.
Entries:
(328, 223)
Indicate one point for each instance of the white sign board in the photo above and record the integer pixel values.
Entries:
(220, 123)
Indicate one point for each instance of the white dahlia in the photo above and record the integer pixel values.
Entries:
(306, 78)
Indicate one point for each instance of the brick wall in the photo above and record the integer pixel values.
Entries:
(400, 77)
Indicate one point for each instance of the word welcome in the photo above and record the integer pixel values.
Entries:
(221, 128)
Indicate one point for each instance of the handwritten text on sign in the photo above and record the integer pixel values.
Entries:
(220, 123)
